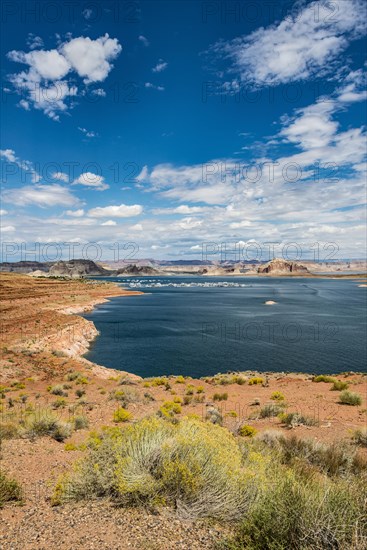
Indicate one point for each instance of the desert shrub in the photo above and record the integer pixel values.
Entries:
(82, 380)
(323, 378)
(8, 429)
(270, 410)
(71, 376)
(125, 396)
(169, 409)
(187, 399)
(220, 396)
(9, 490)
(59, 403)
(159, 381)
(58, 390)
(190, 389)
(255, 380)
(350, 398)
(232, 414)
(44, 423)
(247, 431)
(214, 416)
(80, 422)
(177, 399)
(70, 447)
(296, 419)
(359, 437)
(277, 396)
(180, 379)
(339, 385)
(121, 415)
(298, 515)
(149, 397)
(193, 466)
(79, 393)
(200, 389)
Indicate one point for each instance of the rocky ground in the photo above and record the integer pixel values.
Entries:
(42, 339)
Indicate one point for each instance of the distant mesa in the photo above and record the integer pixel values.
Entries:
(76, 269)
(279, 266)
(133, 269)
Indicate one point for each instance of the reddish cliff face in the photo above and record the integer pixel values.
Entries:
(282, 266)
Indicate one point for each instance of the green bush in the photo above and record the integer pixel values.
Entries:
(220, 397)
(323, 378)
(297, 419)
(121, 415)
(193, 466)
(277, 396)
(58, 390)
(247, 431)
(270, 410)
(350, 398)
(298, 515)
(80, 422)
(255, 380)
(9, 490)
(339, 385)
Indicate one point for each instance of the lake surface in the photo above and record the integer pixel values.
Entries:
(199, 326)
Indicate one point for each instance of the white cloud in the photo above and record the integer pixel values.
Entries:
(7, 229)
(154, 87)
(75, 213)
(136, 227)
(43, 82)
(34, 42)
(60, 176)
(87, 13)
(88, 133)
(122, 211)
(99, 91)
(91, 180)
(109, 222)
(91, 59)
(303, 45)
(3, 212)
(184, 209)
(160, 66)
(25, 165)
(144, 40)
(40, 195)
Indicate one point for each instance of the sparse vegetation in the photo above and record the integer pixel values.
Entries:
(293, 419)
(360, 437)
(270, 410)
(277, 396)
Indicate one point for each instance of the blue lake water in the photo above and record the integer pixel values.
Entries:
(199, 326)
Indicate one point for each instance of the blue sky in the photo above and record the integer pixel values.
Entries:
(173, 124)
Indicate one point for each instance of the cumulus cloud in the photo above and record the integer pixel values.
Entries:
(39, 195)
(109, 222)
(75, 213)
(160, 66)
(88, 179)
(43, 81)
(121, 211)
(304, 44)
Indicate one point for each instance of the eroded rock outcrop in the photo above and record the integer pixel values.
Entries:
(281, 266)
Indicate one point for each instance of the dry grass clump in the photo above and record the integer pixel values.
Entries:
(339, 385)
(195, 467)
(44, 423)
(271, 410)
(294, 419)
(255, 380)
(360, 437)
(9, 490)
